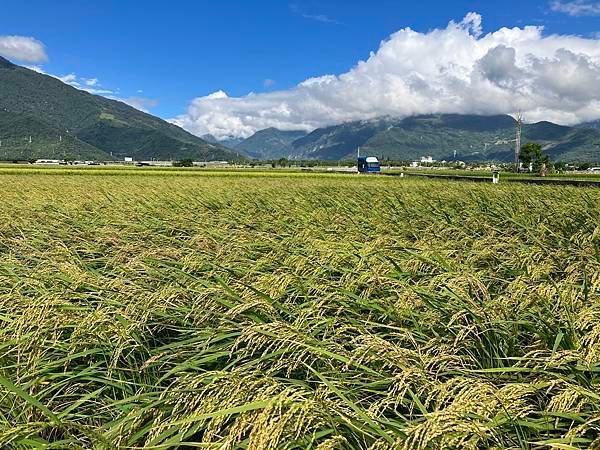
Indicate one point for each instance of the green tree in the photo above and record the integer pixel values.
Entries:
(186, 162)
(531, 154)
(560, 166)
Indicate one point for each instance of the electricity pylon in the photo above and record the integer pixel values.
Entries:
(518, 137)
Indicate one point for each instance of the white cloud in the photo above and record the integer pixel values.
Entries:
(450, 70)
(23, 48)
(141, 103)
(268, 82)
(472, 22)
(576, 7)
(317, 17)
(90, 85)
(37, 69)
(69, 79)
(104, 92)
(93, 86)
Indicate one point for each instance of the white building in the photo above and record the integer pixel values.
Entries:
(50, 162)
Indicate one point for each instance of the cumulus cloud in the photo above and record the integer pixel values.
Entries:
(576, 8)
(452, 70)
(23, 48)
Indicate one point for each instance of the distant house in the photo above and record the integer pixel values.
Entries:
(50, 162)
(424, 160)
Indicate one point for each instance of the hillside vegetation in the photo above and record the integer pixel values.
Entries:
(189, 309)
(444, 136)
(106, 126)
(270, 143)
(46, 141)
(473, 138)
(593, 124)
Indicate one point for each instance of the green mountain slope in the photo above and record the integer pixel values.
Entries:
(107, 125)
(270, 143)
(46, 141)
(561, 143)
(446, 137)
(440, 136)
(593, 124)
(338, 141)
(413, 137)
(230, 142)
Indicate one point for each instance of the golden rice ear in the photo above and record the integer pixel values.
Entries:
(267, 311)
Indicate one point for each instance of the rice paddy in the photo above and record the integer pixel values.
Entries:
(290, 311)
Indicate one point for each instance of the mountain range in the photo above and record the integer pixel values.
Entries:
(594, 124)
(442, 136)
(229, 142)
(42, 117)
(270, 143)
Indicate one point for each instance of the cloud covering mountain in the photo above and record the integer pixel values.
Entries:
(453, 70)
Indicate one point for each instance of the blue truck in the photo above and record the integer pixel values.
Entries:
(368, 164)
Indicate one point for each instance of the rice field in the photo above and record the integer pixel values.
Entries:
(224, 310)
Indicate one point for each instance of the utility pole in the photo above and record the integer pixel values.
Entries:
(518, 138)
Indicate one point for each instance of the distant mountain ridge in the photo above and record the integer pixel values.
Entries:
(442, 136)
(229, 142)
(270, 143)
(65, 122)
(41, 117)
(594, 124)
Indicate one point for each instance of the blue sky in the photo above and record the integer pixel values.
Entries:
(173, 52)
